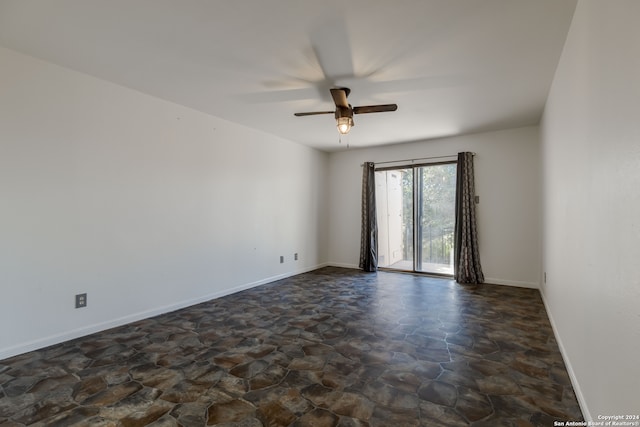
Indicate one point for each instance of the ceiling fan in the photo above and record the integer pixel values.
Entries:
(344, 111)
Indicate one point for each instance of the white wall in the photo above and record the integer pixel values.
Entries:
(507, 180)
(590, 137)
(145, 205)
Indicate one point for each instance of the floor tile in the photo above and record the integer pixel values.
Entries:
(332, 347)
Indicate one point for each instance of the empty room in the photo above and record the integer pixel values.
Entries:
(319, 213)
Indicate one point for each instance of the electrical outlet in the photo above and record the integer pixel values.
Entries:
(295, 256)
(81, 300)
(545, 277)
(281, 259)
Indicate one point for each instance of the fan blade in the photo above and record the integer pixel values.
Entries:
(332, 48)
(375, 108)
(313, 113)
(339, 96)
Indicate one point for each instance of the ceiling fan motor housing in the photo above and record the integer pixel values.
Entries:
(344, 111)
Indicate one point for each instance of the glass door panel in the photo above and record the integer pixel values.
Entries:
(394, 195)
(436, 202)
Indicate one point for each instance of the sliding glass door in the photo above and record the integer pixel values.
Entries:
(416, 214)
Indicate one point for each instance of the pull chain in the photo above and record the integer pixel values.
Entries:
(340, 139)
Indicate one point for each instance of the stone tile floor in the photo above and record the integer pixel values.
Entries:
(333, 347)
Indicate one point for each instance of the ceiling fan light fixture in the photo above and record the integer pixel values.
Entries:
(344, 124)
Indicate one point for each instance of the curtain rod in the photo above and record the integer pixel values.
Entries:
(419, 158)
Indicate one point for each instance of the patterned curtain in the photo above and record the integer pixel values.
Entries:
(369, 227)
(466, 260)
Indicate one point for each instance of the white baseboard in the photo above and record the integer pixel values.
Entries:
(97, 327)
(567, 362)
(342, 265)
(516, 283)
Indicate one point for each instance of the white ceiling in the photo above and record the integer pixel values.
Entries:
(452, 66)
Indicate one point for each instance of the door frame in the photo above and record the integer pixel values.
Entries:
(416, 202)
